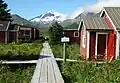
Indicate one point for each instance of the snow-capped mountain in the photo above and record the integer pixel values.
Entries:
(48, 17)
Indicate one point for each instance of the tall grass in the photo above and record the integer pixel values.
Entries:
(16, 74)
(72, 51)
(25, 49)
(84, 72)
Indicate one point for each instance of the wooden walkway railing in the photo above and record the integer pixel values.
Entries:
(47, 70)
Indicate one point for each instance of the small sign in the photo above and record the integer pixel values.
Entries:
(65, 39)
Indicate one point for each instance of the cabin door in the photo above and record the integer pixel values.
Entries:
(101, 44)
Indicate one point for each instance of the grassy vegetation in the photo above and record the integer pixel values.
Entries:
(20, 50)
(16, 73)
(84, 72)
(25, 49)
(72, 52)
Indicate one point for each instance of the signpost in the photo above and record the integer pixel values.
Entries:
(64, 40)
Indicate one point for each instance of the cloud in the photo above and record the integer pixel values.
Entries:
(96, 7)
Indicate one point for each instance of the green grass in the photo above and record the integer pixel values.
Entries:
(16, 73)
(72, 52)
(84, 72)
(25, 49)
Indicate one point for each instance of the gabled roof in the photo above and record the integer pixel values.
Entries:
(95, 23)
(114, 14)
(73, 26)
(4, 25)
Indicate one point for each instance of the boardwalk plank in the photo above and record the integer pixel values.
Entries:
(43, 76)
(47, 70)
(51, 76)
(58, 75)
(36, 75)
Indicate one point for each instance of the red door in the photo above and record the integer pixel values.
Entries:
(101, 46)
(111, 46)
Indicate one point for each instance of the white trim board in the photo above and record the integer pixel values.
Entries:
(117, 45)
(88, 44)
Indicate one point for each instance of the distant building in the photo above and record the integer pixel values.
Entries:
(72, 32)
(13, 32)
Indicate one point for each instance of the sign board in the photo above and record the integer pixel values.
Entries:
(65, 39)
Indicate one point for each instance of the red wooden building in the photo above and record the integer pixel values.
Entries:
(112, 17)
(13, 33)
(72, 32)
(92, 40)
(30, 33)
(4, 25)
(95, 38)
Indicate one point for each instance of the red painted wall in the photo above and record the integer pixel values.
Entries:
(92, 44)
(111, 46)
(2, 37)
(70, 34)
(111, 49)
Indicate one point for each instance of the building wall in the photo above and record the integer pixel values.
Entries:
(2, 37)
(92, 45)
(12, 36)
(111, 49)
(70, 34)
(32, 33)
(108, 22)
(24, 36)
(37, 34)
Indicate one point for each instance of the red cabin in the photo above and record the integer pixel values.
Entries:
(112, 17)
(72, 32)
(96, 38)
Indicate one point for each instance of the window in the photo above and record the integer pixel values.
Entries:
(27, 32)
(76, 34)
(21, 32)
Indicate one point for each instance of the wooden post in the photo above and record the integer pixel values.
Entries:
(64, 52)
(6, 37)
(64, 40)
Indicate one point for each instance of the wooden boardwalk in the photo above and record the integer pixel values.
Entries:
(47, 70)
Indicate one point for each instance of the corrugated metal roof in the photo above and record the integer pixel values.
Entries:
(72, 26)
(114, 14)
(95, 23)
(4, 25)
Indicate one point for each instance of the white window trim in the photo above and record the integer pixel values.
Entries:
(77, 33)
(97, 42)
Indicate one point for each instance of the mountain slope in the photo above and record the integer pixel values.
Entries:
(49, 17)
(21, 21)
